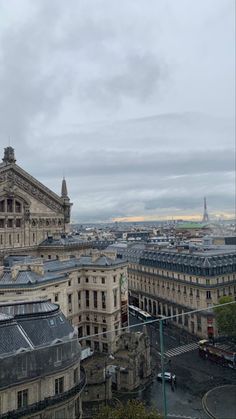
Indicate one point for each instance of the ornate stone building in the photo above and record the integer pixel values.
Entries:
(29, 211)
(174, 281)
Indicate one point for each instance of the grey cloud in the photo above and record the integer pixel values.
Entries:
(189, 202)
(138, 78)
(117, 95)
(29, 90)
(125, 163)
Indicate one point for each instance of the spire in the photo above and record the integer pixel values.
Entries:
(64, 193)
(205, 217)
(9, 155)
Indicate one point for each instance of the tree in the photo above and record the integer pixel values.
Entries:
(226, 317)
(134, 409)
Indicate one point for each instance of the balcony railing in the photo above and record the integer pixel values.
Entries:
(47, 402)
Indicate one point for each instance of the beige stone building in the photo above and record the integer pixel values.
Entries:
(50, 264)
(126, 370)
(40, 373)
(29, 211)
(88, 290)
(175, 281)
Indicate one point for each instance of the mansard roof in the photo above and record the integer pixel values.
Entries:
(53, 270)
(173, 260)
(29, 325)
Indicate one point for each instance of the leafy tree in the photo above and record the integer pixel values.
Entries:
(132, 410)
(226, 317)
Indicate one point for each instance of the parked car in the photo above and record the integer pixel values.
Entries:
(168, 377)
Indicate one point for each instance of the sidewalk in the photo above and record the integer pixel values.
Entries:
(220, 402)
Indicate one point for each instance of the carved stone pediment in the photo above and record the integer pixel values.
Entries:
(17, 178)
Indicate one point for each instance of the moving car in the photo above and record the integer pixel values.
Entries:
(168, 377)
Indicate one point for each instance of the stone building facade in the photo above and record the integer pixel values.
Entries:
(29, 211)
(40, 373)
(172, 282)
(88, 290)
(126, 370)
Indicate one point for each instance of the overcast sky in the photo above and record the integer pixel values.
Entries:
(132, 100)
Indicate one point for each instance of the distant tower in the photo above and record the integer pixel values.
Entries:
(205, 217)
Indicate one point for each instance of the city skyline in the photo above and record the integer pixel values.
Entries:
(103, 96)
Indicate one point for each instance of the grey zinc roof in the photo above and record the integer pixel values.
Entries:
(12, 338)
(29, 277)
(17, 308)
(35, 324)
(57, 265)
(54, 270)
(45, 331)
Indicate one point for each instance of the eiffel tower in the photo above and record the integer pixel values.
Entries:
(205, 218)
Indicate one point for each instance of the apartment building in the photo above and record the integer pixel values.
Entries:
(175, 281)
(40, 373)
(92, 292)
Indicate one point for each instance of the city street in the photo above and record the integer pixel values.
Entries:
(194, 375)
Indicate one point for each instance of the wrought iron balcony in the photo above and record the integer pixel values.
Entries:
(47, 402)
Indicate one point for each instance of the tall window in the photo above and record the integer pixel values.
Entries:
(95, 299)
(10, 223)
(59, 385)
(22, 398)
(2, 206)
(103, 299)
(18, 222)
(87, 298)
(9, 205)
(115, 297)
(17, 206)
(208, 295)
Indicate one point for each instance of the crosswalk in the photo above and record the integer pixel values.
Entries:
(181, 349)
(223, 346)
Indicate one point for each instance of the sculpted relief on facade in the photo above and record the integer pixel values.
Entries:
(14, 179)
(29, 211)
